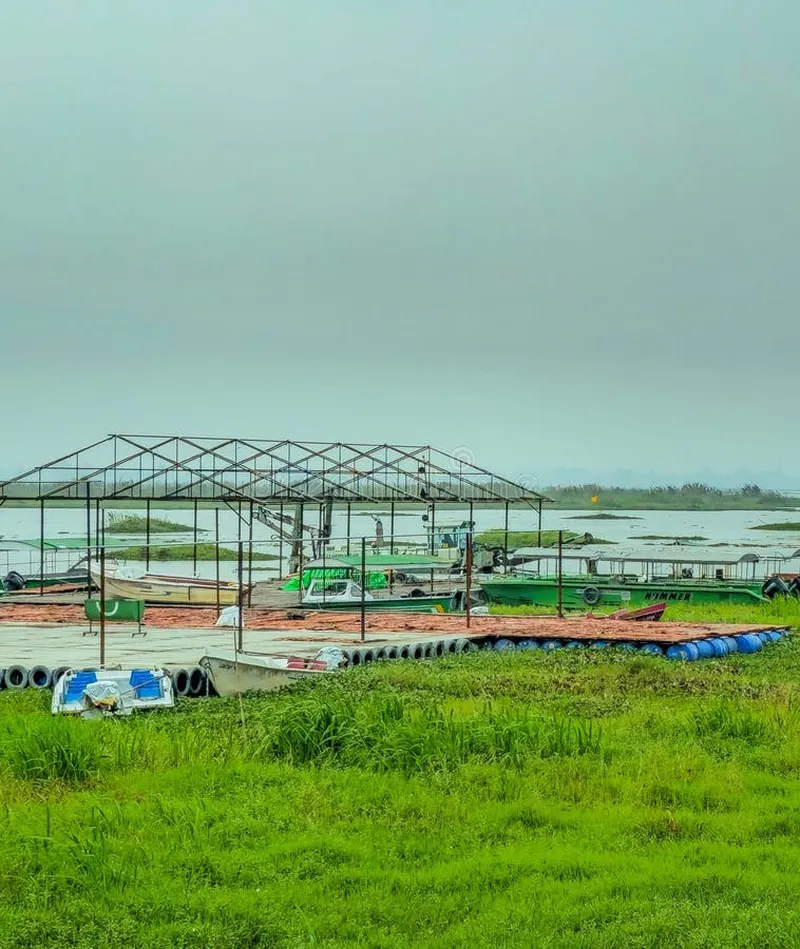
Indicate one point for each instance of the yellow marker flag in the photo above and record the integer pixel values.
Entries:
(595, 499)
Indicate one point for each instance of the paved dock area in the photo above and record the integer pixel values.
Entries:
(62, 644)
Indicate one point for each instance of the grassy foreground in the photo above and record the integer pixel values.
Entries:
(571, 799)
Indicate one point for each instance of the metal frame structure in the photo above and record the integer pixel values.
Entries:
(213, 471)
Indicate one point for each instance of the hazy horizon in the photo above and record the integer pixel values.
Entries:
(561, 238)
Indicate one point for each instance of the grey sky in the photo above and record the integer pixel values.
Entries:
(560, 235)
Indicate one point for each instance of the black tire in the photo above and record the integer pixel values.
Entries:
(180, 680)
(58, 672)
(368, 655)
(13, 581)
(197, 682)
(461, 645)
(2, 678)
(380, 654)
(591, 596)
(16, 677)
(428, 650)
(417, 650)
(774, 586)
(40, 677)
(417, 592)
(405, 652)
(392, 652)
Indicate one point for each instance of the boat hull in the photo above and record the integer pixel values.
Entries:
(154, 589)
(240, 673)
(580, 592)
(412, 604)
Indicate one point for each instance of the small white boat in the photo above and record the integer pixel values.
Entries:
(234, 673)
(126, 583)
(111, 692)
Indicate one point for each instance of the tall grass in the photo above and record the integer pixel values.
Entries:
(50, 749)
(384, 733)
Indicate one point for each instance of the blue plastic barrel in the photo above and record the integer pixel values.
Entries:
(503, 645)
(626, 647)
(527, 644)
(687, 652)
(651, 649)
(705, 648)
(574, 644)
(600, 644)
(749, 643)
(730, 642)
(720, 647)
(551, 644)
(775, 635)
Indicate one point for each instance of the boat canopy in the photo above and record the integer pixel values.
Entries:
(674, 554)
(377, 562)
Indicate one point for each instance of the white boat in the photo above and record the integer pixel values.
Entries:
(127, 583)
(111, 692)
(234, 673)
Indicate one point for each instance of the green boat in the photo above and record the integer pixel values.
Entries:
(580, 592)
(345, 595)
(597, 576)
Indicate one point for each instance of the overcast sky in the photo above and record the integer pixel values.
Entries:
(560, 236)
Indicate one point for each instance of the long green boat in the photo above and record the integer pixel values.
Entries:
(582, 592)
(597, 576)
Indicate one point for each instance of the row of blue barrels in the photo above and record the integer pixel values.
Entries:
(712, 648)
(189, 683)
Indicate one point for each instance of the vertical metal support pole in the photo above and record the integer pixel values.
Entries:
(41, 547)
(250, 559)
(240, 620)
(391, 529)
(363, 588)
(280, 543)
(505, 542)
(468, 562)
(194, 550)
(216, 548)
(348, 528)
(102, 606)
(324, 572)
(89, 538)
(147, 535)
(97, 526)
(539, 528)
(300, 578)
(561, 574)
(433, 528)
(431, 579)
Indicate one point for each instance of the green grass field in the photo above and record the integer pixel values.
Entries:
(570, 799)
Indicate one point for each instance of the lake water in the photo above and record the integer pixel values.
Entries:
(728, 527)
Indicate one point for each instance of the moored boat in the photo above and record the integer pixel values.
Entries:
(634, 579)
(127, 584)
(345, 594)
(93, 693)
(234, 673)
